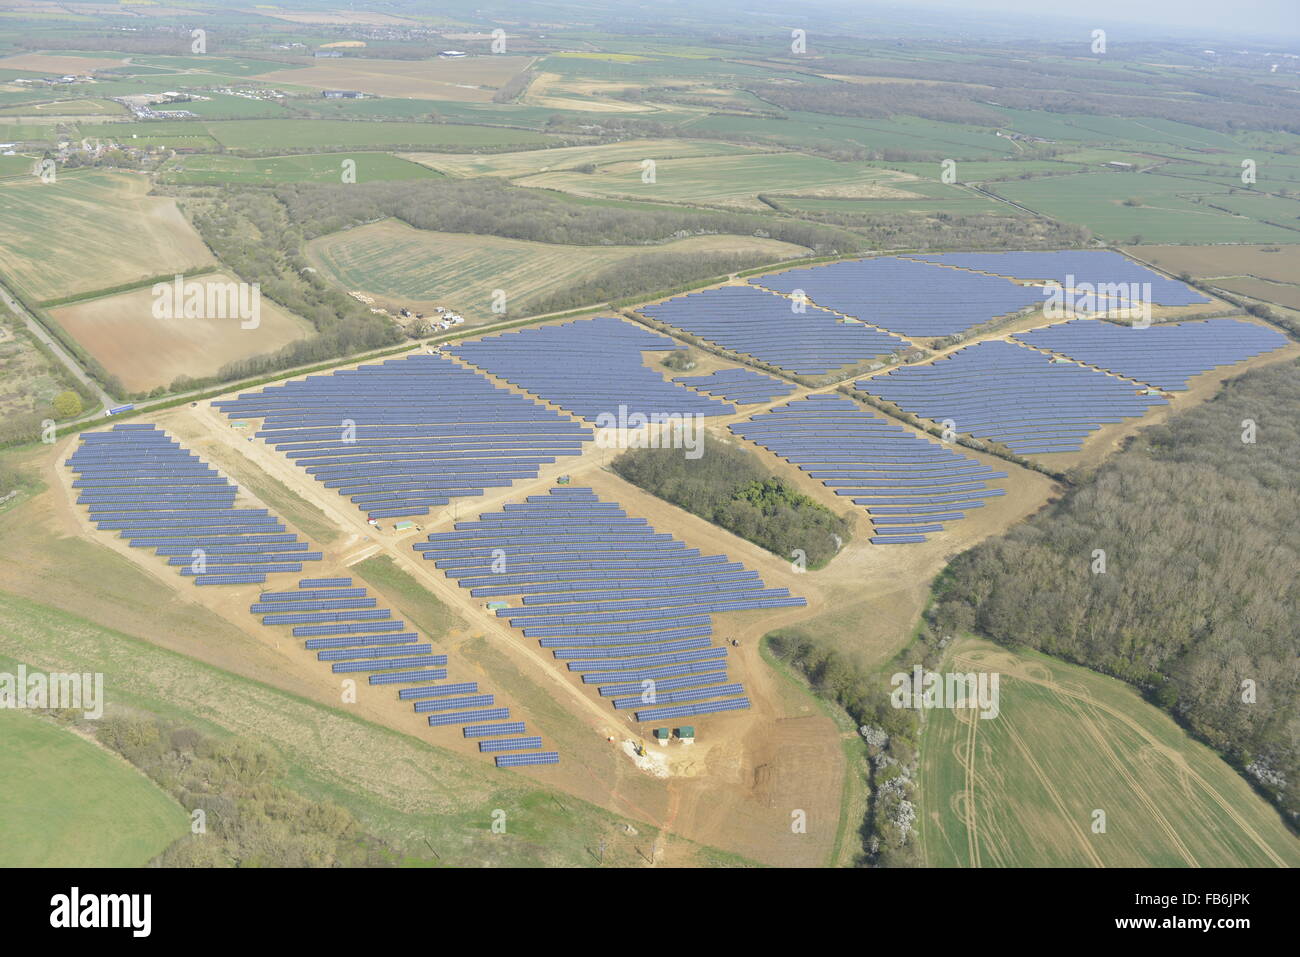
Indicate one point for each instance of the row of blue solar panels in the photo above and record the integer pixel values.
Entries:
(1164, 355)
(913, 485)
(591, 367)
(1013, 395)
(1073, 267)
(692, 710)
(401, 436)
(613, 622)
(739, 385)
(910, 298)
(391, 658)
(781, 332)
(519, 760)
(141, 483)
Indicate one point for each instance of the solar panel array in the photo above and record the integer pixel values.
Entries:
(402, 436)
(767, 327)
(140, 482)
(738, 385)
(1093, 266)
(589, 367)
(910, 298)
(910, 486)
(1011, 394)
(618, 603)
(1165, 354)
(397, 657)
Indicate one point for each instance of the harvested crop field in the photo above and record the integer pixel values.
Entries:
(529, 162)
(472, 79)
(144, 351)
(1279, 263)
(53, 63)
(1284, 294)
(730, 180)
(399, 265)
(120, 234)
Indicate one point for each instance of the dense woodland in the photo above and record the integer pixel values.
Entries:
(728, 486)
(490, 207)
(1199, 594)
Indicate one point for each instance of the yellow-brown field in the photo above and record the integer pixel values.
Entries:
(109, 232)
(145, 352)
(472, 79)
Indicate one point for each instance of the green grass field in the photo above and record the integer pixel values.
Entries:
(734, 180)
(70, 803)
(569, 157)
(420, 268)
(323, 134)
(121, 233)
(213, 169)
(1020, 789)
(800, 130)
(933, 198)
(1172, 210)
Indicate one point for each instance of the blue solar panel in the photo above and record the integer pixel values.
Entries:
(1013, 395)
(907, 297)
(691, 710)
(863, 455)
(143, 484)
(739, 385)
(615, 622)
(771, 329)
(487, 730)
(464, 717)
(510, 744)
(519, 760)
(591, 367)
(1096, 267)
(423, 430)
(1165, 355)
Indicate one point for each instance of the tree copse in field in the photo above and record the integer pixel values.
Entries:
(728, 487)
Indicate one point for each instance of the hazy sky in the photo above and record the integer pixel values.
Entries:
(1263, 18)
